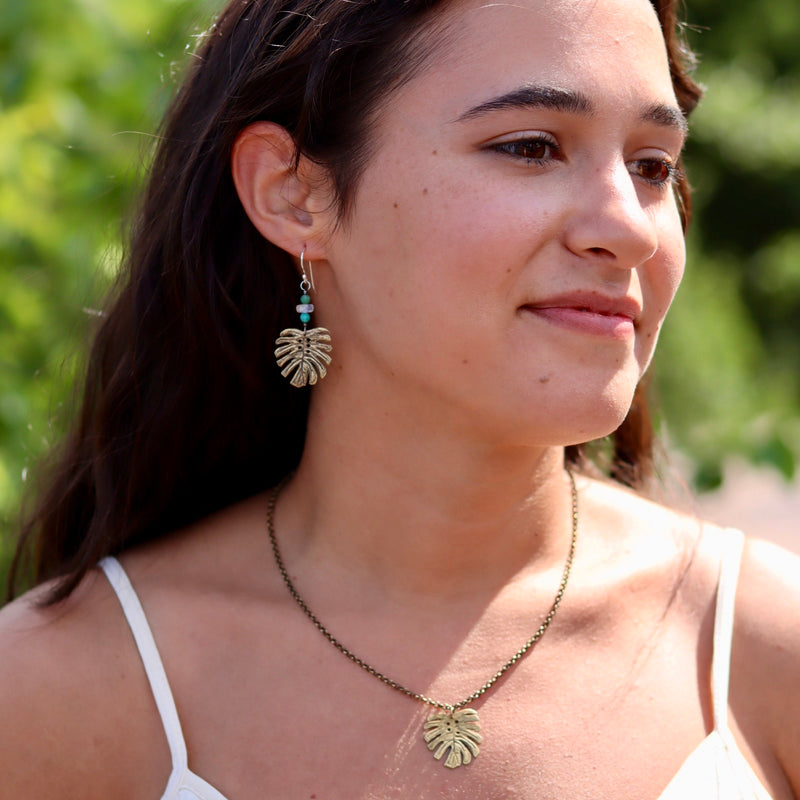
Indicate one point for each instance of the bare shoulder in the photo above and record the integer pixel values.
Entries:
(675, 548)
(631, 511)
(69, 685)
(765, 669)
(663, 543)
(656, 538)
(73, 688)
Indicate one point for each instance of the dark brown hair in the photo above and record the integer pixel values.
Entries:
(183, 410)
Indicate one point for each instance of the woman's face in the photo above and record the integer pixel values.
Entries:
(515, 242)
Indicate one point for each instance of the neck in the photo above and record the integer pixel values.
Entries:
(418, 512)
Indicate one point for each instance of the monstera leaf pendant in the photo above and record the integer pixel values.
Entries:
(303, 354)
(455, 732)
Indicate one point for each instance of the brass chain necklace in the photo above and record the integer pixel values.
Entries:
(453, 730)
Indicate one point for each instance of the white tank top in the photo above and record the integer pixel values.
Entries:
(716, 770)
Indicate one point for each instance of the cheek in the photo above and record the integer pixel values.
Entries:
(670, 272)
(441, 239)
(660, 281)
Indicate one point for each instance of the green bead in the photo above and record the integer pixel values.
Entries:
(305, 299)
(305, 318)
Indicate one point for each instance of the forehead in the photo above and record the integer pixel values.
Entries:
(613, 47)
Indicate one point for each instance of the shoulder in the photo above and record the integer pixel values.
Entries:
(659, 544)
(633, 512)
(72, 681)
(651, 564)
(69, 683)
(765, 669)
(649, 525)
(673, 548)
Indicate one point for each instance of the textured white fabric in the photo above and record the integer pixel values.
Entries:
(716, 769)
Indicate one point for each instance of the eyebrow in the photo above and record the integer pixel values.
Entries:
(554, 99)
(667, 116)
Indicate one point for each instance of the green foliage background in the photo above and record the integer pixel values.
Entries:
(83, 82)
(729, 361)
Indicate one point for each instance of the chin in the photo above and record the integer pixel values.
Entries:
(599, 429)
(569, 423)
(609, 411)
(587, 415)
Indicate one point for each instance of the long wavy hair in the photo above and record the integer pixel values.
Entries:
(183, 411)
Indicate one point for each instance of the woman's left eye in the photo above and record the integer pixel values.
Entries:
(538, 149)
(657, 171)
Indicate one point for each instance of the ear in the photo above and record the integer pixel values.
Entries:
(289, 206)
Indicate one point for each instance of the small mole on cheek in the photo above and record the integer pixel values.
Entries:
(435, 152)
(544, 379)
(425, 190)
(508, 270)
(465, 361)
(396, 206)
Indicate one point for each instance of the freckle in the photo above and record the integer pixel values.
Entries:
(395, 205)
(508, 271)
(435, 152)
(425, 191)
(544, 379)
(465, 361)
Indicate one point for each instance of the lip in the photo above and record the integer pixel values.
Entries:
(590, 312)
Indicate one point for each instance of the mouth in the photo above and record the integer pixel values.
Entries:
(590, 313)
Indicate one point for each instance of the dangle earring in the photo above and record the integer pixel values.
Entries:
(304, 352)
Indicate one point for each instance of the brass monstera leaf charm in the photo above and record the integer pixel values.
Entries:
(456, 733)
(303, 354)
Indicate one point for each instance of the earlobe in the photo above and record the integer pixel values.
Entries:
(282, 201)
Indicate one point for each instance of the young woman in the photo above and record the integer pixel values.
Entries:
(400, 581)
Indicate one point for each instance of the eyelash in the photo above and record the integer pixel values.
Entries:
(669, 171)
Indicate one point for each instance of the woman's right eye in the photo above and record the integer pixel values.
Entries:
(539, 149)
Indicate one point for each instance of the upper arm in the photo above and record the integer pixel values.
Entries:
(36, 735)
(766, 649)
(76, 719)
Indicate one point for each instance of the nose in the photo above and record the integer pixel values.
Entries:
(609, 222)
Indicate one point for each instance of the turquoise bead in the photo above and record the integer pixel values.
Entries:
(305, 318)
(305, 299)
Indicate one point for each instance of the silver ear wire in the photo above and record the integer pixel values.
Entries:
(310, 279)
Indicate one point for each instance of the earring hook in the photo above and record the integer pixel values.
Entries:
(309, 283)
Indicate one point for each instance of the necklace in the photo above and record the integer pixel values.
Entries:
(453, 730)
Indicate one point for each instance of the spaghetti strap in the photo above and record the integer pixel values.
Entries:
(723, 626)
(151, 659)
